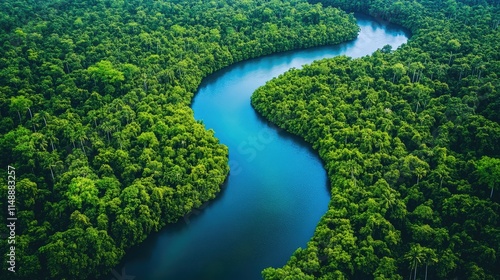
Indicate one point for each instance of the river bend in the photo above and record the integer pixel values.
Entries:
(277, 190)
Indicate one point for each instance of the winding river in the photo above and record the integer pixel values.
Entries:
(277, 190)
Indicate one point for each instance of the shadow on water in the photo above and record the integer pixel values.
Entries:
(380, 23)
(143, 251)
(297, 140)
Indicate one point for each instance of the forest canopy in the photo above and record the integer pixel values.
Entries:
(410, 140)
(95, 116)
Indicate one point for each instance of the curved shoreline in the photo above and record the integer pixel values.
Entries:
(175, 243)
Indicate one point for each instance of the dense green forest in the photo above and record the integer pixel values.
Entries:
(95, 116)
(95, 119)
(410, 140)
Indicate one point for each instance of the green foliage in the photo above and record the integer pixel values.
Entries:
(488, 170)
(105, 72)
(94, 106)
(410, 146)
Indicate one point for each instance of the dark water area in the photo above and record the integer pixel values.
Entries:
(277, 190)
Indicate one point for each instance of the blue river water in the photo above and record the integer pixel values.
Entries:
(277, 189)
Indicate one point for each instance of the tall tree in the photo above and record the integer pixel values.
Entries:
(488, 170)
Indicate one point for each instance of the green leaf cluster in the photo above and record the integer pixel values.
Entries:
(95, 116)
(410, 143)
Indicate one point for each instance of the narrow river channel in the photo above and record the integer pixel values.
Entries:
(277, 190)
